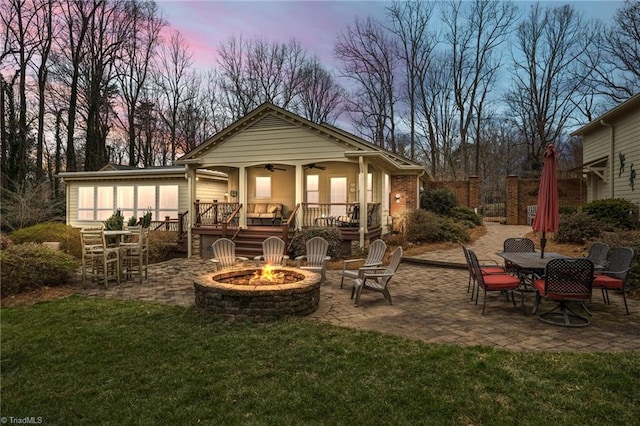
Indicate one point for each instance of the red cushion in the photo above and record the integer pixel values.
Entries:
(501, 282)
(540, 288)
(605, 281)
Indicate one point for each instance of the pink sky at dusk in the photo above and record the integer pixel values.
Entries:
(315, 24)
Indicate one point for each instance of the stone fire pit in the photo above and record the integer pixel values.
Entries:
(239, 301)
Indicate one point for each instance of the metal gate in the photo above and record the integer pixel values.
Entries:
(493, 200)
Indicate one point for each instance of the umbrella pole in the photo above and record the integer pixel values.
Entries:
(543, 244)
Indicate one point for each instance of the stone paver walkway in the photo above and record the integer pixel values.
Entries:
(429, 304)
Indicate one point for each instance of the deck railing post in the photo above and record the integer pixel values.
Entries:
(197, 211)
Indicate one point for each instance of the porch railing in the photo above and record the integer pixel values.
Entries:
(339, 214)
(216, 213)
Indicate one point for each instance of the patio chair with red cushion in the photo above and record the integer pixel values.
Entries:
(565, 281)
(615, 277)
(505, 283)
(487, 266)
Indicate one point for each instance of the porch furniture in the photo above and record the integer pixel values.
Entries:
(504, 283)
(99, 261)
(377, 249)
(316, 257)
(598, 255)
(565, 281)
(519, 245)
(376, 278)
(615, 277)
(273, 249)
(135, 253)
(487, 266)
(352, 219)
(224, 254)
(264, 212)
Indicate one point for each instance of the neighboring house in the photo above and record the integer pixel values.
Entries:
(286, 171)
(92, 197)
(611, 153)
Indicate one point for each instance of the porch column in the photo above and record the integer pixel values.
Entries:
(242, 196)
(362, 188)
(191, 185)
(299, 195)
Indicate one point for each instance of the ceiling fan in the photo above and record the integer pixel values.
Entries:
(314, 166)
(273, 168)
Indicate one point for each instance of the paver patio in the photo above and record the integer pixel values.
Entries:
(429, 304)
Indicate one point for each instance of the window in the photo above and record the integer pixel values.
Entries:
(86, 202)
(263, 187)
(369, 188)
(313, 190)
(104, 202)
(146, 199)
(338, 196)
(167, 202)
(125, 201)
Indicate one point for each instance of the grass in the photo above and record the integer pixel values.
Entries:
(81, 360)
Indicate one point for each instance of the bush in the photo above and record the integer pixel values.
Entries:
(440, 201)
(468, 217)
(5, 242)
(568, 210)
(618, 212)
(115, 222)
(578, 228)
(424, 226)
(160, 245)
(332, 235)
(627, 239)
(29, 266)
(68, 236)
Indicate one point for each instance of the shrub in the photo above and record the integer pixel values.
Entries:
(568, 210)
(115, 222)
(467, 216)
(68, 236)
(577, 228)
(160, 245)
(133, 221)
(627, 239)
(29, 266)
(440, 201)
(425, 226)
(618, 212)
(332, 235)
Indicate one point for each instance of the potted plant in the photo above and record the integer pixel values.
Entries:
(115, 222)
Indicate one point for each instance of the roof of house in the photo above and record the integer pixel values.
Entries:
(116, 171)
(356, 146)
(625, 107)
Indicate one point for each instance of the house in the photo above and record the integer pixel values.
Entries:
(611, 153)
(288, 173)
(91, 197)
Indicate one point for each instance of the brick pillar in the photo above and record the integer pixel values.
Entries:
(511, 202)
(474, 192)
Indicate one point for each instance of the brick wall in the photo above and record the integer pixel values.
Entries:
(409, 185)
(467, 192)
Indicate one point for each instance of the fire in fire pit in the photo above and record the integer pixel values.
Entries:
(267, 275)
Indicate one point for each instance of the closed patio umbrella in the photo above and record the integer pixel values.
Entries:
(548, 212)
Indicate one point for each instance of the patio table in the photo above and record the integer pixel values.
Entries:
(530, 261)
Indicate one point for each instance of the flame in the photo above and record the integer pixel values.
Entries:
(266, 275)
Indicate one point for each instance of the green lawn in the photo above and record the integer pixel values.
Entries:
(96, 361)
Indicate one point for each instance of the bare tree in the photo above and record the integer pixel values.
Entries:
(474, 34)
(320, 95)
(133, 67)
(618, 65)
(256, 71)
(410, 23)
(172, 77)
(370, 59)
(547, 75)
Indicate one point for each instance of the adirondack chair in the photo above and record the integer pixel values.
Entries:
(377, 249)
(272, 252)
(224, 254)
(377, 278)
(316, 257)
